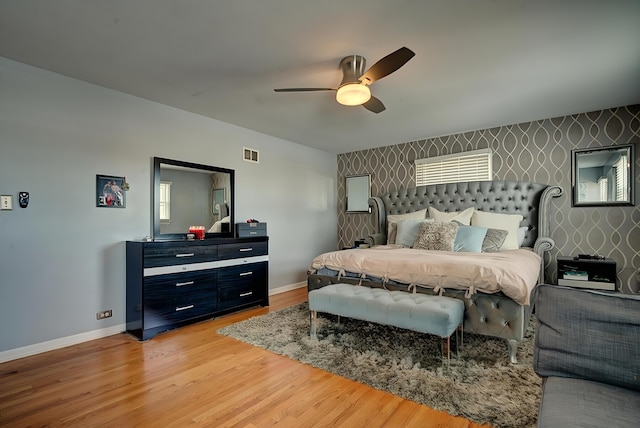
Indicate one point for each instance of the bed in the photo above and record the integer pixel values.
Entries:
(497, 301)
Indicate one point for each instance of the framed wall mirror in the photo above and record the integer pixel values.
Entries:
(603, 176)
(188, 194)
(358, 192)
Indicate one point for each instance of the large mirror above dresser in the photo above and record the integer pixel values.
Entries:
(187, 194)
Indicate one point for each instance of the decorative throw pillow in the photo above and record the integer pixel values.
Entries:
(469, 239)
(508, 222)
(436, 236)
(407, 230)
(493, 240)
(392, 233)
(463, 217)
(522, 232)
(394, 218)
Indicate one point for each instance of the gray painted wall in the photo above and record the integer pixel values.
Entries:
(537, 151)
(62, 259)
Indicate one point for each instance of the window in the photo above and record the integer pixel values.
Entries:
(467, 166)
(622, 178)
(602, 184)
(165, 201)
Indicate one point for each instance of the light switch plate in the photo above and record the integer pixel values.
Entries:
(6, 202)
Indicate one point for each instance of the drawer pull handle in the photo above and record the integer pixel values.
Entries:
(246, 273)
(185, 255)
(246, 249)
(246, 294)
(183, 308)
(181, 284)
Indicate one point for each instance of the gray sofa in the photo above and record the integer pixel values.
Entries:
(587, 350)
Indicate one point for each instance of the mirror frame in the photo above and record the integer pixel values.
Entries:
(576, 157)
(155, 200)
(358, 183)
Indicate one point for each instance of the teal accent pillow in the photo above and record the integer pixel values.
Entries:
(407, 231)
(469, 239)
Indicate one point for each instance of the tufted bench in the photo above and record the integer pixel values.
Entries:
(423, 313)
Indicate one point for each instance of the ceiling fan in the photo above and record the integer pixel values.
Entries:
(354, 88)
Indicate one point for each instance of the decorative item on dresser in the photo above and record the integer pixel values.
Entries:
(174, 283)
(251, 227)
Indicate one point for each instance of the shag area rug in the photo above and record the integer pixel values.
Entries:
(480, 383)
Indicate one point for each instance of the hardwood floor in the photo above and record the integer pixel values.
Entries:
(193, 376)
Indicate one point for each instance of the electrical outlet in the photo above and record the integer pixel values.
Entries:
(6, 202)
(104, 314)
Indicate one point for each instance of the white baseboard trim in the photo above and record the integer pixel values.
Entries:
(285, 288)
(50, 345)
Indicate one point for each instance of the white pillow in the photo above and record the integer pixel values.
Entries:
(464, 217)
(508, 222)
(394, 218)
(522, 233)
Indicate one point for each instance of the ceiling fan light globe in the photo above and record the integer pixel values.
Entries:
(353, 94)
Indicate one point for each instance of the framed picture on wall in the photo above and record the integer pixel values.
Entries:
(109, 192)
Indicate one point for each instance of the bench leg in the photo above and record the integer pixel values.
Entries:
(459, 339)
(446, 345)
(446, 349)
(314, 316)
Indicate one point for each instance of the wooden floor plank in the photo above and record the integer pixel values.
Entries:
(194, 376)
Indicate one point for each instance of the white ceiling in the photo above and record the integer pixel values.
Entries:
(478, 63)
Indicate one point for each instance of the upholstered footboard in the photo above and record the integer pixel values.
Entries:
(492, 315)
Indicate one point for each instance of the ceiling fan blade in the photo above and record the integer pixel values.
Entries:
(387, 65)
(374, 105)
(304, 89)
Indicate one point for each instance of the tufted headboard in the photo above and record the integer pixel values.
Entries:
(531, 200)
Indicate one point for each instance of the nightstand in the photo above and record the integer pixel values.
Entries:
(598, 274)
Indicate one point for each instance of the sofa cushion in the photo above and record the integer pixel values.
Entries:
(570, 402)
(588, 334)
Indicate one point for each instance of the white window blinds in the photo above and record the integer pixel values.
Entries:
(622, 179)
(602, 184)
(165, 201)
(467, 166)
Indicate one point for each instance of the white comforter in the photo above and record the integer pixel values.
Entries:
(514, 272)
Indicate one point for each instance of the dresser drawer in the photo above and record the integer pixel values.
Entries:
(156, 255)
(165, 313)
(177, 297)
(172, 286)
(242, 285)
(236, 251)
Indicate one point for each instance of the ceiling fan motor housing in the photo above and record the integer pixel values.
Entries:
(353, 66)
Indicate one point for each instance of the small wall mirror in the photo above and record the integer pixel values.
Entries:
(358, 193)
(603, 177)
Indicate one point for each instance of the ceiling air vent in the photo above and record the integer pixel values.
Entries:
(250, 155)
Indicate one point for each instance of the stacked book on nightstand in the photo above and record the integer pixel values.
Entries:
(597, 273)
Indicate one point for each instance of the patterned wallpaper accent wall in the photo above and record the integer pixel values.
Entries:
(537, 151)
